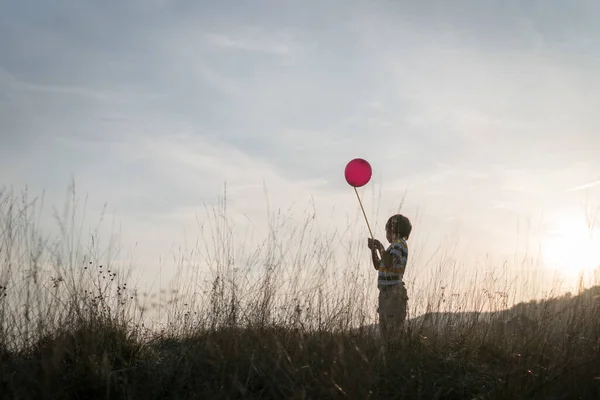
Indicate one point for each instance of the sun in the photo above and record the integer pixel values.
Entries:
(571, 245)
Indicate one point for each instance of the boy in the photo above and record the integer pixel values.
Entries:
(393, 298)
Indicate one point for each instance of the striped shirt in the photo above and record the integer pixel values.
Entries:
(398, 250)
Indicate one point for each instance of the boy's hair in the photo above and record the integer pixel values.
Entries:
(400, 225)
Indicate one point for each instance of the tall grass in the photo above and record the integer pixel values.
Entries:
(275, 320)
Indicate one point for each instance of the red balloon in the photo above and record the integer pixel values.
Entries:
(358, 172)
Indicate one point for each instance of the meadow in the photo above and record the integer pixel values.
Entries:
(73, 324)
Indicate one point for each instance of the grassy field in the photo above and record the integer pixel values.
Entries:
(73, 326)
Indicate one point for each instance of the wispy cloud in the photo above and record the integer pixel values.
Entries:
(262, 45)
(7, 79)
(584, 186)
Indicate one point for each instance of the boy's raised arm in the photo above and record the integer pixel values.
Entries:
(389, 259)
(375, 258)
(392, 261)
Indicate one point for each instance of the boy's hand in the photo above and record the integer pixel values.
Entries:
(370, 243)
(375, 244)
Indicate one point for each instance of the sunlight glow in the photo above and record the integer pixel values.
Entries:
(571, 245)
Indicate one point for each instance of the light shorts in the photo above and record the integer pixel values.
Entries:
(393, 302)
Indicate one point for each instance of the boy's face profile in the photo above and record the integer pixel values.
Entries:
(389, 234)
(397, 228)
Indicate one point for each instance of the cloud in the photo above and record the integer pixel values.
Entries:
(248, 44)
(482, 115)
(585, 186)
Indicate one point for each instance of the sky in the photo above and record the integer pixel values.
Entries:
(480, 118)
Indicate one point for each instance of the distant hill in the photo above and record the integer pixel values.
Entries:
(557, 311)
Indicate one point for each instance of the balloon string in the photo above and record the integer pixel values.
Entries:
(363, 210)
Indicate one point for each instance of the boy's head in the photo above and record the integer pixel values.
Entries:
(398, 226)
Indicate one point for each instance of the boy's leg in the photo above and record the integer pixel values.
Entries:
(402, 304)
(382, 312)
(393, 303)
(387, 310)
